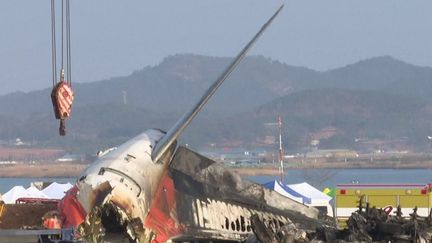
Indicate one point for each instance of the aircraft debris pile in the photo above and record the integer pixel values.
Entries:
(367, 224)
(372, 224)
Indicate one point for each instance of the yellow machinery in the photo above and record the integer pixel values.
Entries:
(385, 196)
(1, 208)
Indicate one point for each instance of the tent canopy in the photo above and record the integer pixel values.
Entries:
(13, 194)
(56, 190)
(53, 191)
(314, 195)
(285, 191)
(35, 193)
(302, 192)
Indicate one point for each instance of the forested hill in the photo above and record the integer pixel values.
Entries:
(377, 97)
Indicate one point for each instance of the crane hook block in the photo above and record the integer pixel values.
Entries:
(62, 97)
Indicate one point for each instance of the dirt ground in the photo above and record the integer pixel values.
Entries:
(28, 154)
(19, 216)
(252, 171)
(69, 169)
(53, 169)
(273, 170)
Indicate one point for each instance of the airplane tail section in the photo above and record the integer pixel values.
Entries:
(186, 119)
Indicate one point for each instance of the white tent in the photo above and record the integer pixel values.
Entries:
(35, 193)
(284, 190)
(56, 190)
(315, 196)
(13, 194)
(303, 193)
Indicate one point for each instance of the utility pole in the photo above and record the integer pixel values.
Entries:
(281, 167)
(280, 152)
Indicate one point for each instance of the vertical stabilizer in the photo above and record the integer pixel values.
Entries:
(186, 119)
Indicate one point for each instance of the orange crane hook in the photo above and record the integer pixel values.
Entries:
(62, 97)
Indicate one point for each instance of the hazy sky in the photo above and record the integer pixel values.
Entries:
(114, 37)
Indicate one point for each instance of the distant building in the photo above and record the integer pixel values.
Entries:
(18, 142)
(71, 158)
(332, 153)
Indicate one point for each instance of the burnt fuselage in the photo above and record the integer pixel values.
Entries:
(182, 196)
(125, 178)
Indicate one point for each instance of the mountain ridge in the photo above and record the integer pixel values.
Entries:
(155, 96)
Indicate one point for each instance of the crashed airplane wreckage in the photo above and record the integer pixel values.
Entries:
(151, 190)
(196, 199)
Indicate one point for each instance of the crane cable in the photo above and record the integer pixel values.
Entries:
(53, 44)
(68, 38)
(62, 93)
(65, 41)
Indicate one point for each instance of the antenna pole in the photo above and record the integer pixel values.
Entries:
(281, 168)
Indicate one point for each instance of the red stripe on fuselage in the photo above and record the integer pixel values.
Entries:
(162, 217)
(71, 210)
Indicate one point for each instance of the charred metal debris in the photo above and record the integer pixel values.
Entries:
(107, 223)
(367, 224)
